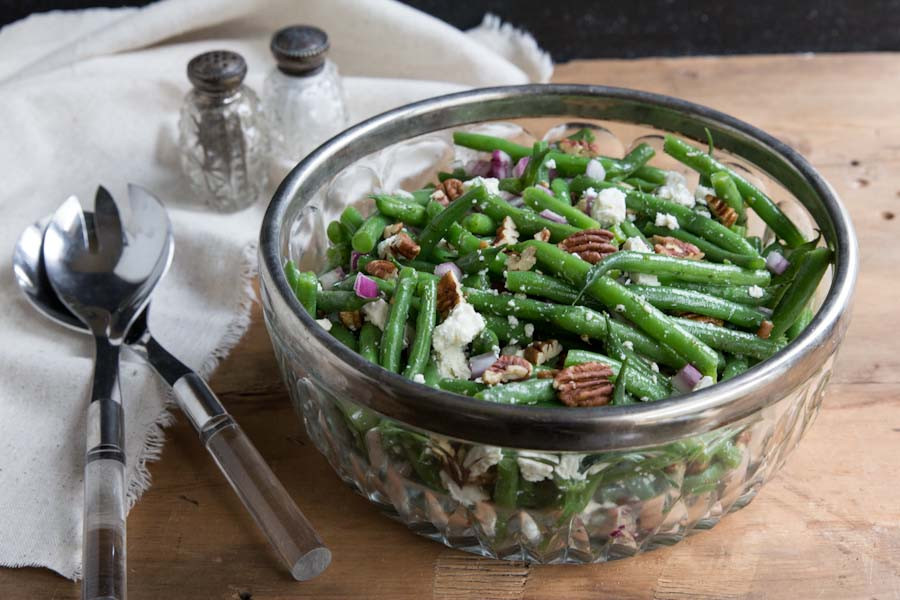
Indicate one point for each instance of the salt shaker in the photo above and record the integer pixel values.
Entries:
(302, 97)
(223, 140)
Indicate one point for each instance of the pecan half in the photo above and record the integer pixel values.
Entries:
(540, 352)
(506, 233)
(522, 262)
(399, 244)
(543, 235)
(720, 209)
(383, 269)
(547, 374)
(453, 188)
(440, 197)
(352, 319)
(702, 318)
(590, 244)
(507, 368)
(393, 229)
(579, 147)
(587, 384)
(449, 293)
(765, 330)
(676, 248)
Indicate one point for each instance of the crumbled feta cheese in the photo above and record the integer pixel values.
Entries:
(628, 344)
(520, 296)
(550, 163)
(702, 192)
(481, 458)
(529, 329)
(704, 382)
(569, 467)
(536, 466)
(666, 220)
(704, 213)
(529, 528)
(384, 247)
(609, 207)
(620, 308)
(418, 378)
(636, 244)
(754, 291)
(451, 337)
(654, 367)
(467, 495)
(377, 312)
(491, 184)
(644, 279)
(512, 321)
(676, 190)
(324, 324)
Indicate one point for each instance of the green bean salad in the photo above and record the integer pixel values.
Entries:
(555, 276)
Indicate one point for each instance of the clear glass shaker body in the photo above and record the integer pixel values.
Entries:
(303, 110)
(224, 146)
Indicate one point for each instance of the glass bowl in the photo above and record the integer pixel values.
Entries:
(546, 485)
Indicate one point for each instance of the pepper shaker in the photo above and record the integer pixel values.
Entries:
(223, 140)
(302, 96)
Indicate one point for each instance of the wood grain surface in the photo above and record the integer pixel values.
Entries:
(828, 526)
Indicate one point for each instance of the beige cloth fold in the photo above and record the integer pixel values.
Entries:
(92, 97)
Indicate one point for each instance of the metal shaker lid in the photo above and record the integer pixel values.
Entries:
(299, 49)
(217, 71)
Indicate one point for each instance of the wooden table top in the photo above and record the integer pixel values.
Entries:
(827, 526)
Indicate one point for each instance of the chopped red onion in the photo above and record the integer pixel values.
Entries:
(478, 168)
(686, 378)
(552, 216)
(479, 364)
(354, 260)
(365, 287)
(776, 263)
(551, 174)
(546, 190)
(442, 269)
(516, 202)
(501, 164)
(331, 277)
(595, 170)
(520, 166)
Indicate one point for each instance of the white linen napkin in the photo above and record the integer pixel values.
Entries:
(92, 97)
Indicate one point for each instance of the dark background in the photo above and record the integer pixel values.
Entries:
(571, 29)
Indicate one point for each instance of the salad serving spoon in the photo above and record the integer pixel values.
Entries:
(285, 526)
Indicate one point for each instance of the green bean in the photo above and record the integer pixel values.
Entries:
(641, 184)
(344, 336)
(620, 394)
(808, 275)
(421, 347)
(670, 298)
(560, 189)
(537, 284)
(703, 482)
(616, 297)
(369, 342)
(492, 259)
(457, 173)
(480, 224)
(539, 200)
(761, 204)
(479, 281)
(337, 233)
(392, 338)
(734, 366)
(630, 230)
(528, 392)
(682, 268)
(535, 170)
(740, 294)
(461, 386)
(360, 418)
(368, 234)
(431, 373)
(651, 174)
(800, 324)
(406, 211)
(337, 255)
(423, 196)
(506, 331)
(487, 143)
(438, 226)
(725, 189)
(307, 286)
(329, 301)
(710, 250)
(462, 239)
(485, 342)
(527, 222)
(292, 274)
(351, 219)
(506, 485)
(649, 206)
(729, 340)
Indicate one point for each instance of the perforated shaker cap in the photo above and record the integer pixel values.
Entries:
(299, 49)
(217, 71)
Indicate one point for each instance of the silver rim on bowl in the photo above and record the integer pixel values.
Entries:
(567, 429)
